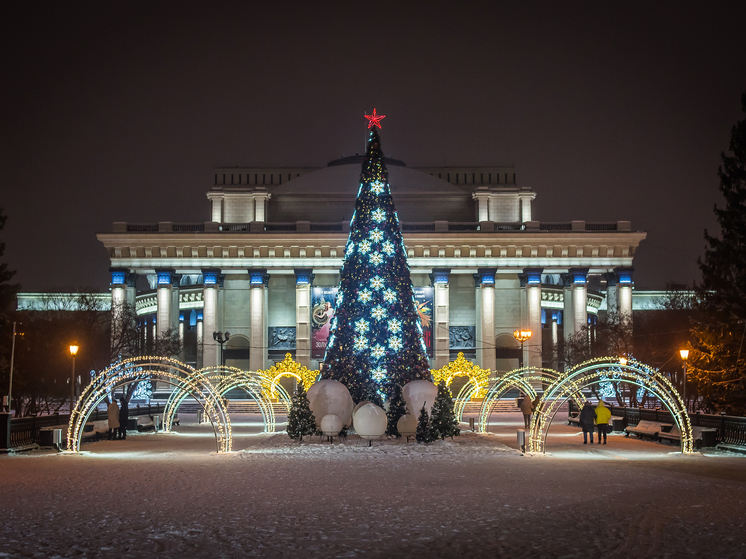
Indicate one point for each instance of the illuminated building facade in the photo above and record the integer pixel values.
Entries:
(265, 265)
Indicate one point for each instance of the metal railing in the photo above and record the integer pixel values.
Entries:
(24, 431)
(731, 430)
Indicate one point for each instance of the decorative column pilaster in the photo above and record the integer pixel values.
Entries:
(486, 320)
(130, 293)
(258, 337)
(260, 204)
(579, 297)
(210, 288)
(303, 283)
(163, 300)
(439, 278)
(531, 280)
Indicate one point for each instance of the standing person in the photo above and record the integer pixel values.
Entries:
(124, 414)
(603, 414)
(527, 407)
(112, 411)
(587, 421)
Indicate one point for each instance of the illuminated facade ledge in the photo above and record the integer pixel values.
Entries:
(276, 236)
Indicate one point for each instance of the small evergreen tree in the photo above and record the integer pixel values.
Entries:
(397, 408)
(443, 419)
(301, 420)
(424, 432)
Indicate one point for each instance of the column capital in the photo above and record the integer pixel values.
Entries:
(119, 276)
(176, 280)
(211, 277)
(440, 276)
(611, 279)
(485, 277)
(624, 275)
(304, 276)
(578, 276)
(530, 276)
(258, 277)
(165, 276)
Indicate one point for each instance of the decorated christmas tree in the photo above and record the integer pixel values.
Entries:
(375, 340)
(424, 432)
(301, 420)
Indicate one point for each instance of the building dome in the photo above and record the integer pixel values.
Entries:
(328, 195)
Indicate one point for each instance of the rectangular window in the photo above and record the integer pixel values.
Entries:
(256, 176)
(264, 178)
(448, 177)
(280, 177)
(513, 178)
(216, 178)
(239, 178)
(473, 180)
(272, 179)
(223, 178)
(489, 178)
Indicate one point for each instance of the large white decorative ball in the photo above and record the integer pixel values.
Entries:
(407, 425)
(330, 396)
(417, 393)
(370, 421)
(360, 405)
(331, 425)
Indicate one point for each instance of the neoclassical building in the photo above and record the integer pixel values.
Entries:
(265, 265)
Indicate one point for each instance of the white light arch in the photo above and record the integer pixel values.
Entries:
(173, 372)
(521, 379)
(224, 379)
(609, 369)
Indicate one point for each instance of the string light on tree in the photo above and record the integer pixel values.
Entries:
(377, 288)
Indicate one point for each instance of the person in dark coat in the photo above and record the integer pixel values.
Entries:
(587, 421)
(124, 415)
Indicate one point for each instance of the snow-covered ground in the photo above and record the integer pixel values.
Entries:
(477, 496)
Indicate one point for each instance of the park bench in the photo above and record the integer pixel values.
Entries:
(95, 429)
(703, 436)
(644, 429)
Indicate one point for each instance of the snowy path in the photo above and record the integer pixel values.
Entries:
(172, 496)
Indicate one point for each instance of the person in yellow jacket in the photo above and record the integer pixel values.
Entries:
(603, 414)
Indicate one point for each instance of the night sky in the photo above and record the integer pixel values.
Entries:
(118, 111)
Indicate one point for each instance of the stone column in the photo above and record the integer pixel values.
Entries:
(130, 293)
(555, 339)
(531, 280)
(118, 300)
(486, 317)
(568, 321)
(211, 286)
(163, 299)
(579, 297)
(441, 316)
(624, 295)
(200, 338)
(258, 337)
(175, 293)
(303, 283)
(611, 293)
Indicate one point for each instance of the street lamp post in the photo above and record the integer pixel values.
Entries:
(522, 336)
(12, 358)
(73, 351)
(684, 356)
(221, 338)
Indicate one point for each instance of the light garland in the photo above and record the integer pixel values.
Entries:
(478, 377)
(165, 369)
(594, 371)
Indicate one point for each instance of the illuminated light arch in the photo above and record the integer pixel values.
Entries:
(224, 379)
(521, 379)
(608, 369)
(479, 379)
(180, 375)
(287, 368)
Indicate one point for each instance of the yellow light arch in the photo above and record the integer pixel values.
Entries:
(479, 380)
(287, 368)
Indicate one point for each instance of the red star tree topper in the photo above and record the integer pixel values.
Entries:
(374, 119)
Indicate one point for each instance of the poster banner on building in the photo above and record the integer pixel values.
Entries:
(424, 297)
(322, 303)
